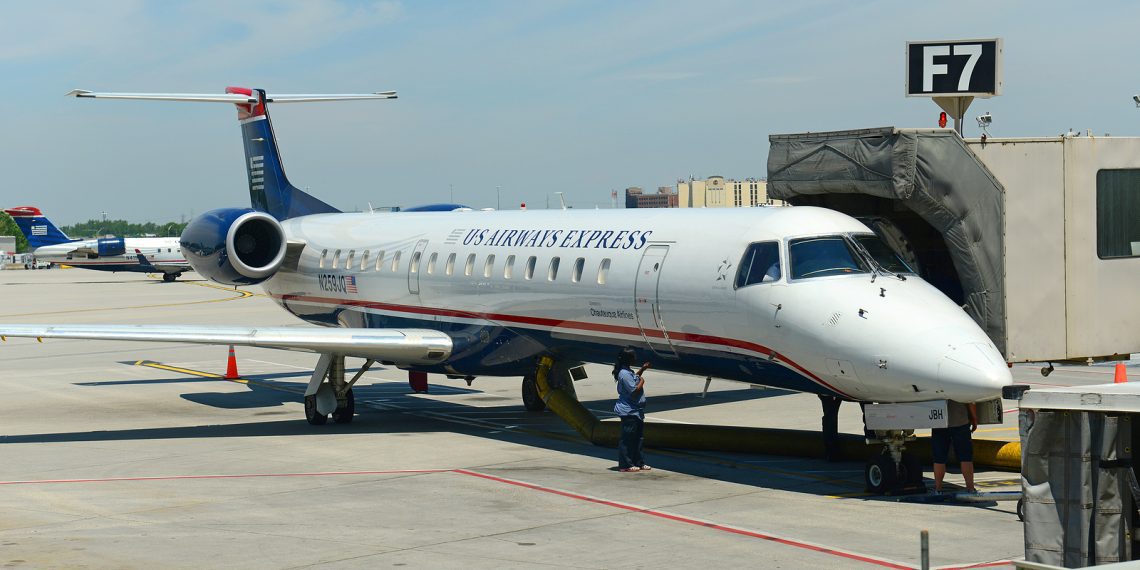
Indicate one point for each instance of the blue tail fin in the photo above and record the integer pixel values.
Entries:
(38, 229)
(269, 189)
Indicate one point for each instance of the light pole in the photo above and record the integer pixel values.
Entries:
(497, 192)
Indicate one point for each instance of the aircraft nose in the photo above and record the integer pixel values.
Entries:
(973, 371)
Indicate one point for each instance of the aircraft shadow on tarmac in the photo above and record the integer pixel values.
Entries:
(799, 475)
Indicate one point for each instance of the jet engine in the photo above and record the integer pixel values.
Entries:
(234, 246)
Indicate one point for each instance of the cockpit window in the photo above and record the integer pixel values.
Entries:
(823, 256)
(883, 254)
(761, 264)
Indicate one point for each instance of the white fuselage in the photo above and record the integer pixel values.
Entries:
(661, 280)
(163, 254)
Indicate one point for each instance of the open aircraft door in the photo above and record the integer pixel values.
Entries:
(415, 265)
(646, 303)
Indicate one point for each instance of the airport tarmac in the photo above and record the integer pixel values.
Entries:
(137, 455)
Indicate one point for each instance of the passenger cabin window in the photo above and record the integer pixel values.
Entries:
(823, 256)
(603, 271)
(414, 265)
(395, 262)
(379, 260)
(528, 272)
(489, 266)
(469, 267)
(450, 268)
(348, 260)
(579, 265)
(882, 253)
(1117, 213)
(324, 254)
(552, 272)
(364, 261)
(760, 264)
(431, 264)
(336, 259)
(509, 267)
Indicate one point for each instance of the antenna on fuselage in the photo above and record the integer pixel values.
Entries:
(562, 199)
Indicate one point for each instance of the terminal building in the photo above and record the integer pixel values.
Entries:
(711, 192)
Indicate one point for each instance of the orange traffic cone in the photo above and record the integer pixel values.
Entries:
(231, 366)
(1121, 375)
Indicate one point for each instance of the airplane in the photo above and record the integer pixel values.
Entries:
(799, 298)
(49, 243)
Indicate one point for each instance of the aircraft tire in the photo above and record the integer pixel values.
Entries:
(910, 472)
(1021, 509)
(531, 400)
(169, 277)
(880, 474)
(311, 414)
(344, 415)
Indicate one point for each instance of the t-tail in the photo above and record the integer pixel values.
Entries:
(36, 227)
(269, 189)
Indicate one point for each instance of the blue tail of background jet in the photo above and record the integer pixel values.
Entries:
(37, 228)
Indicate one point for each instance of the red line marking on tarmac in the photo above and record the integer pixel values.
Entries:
(237, 476)
(993, 564)
(696, 522)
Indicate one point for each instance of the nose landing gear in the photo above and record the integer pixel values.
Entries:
(894, 471)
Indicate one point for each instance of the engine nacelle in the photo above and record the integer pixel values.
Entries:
(234, 246)
(108, 247)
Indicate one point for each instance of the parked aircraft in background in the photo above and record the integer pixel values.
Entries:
(800, 298)
(50, 244)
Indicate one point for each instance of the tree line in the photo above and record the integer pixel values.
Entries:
(96, 228)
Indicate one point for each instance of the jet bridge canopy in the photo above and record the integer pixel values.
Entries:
(923, 190)
(1038, 238)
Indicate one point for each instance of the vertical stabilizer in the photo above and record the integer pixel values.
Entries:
(37, 228)
(269, 189)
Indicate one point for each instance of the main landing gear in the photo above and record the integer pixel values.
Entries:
(328, 394)
(894, 471)
(532, 401)
(170, 277)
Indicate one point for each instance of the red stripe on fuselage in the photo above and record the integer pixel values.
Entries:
(564, 324)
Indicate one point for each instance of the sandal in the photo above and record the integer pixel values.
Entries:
(629, 469)
(646, 468)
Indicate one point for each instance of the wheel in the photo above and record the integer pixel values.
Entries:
(910, 472)
(1021, 509)
(531, 400)
(344, 415)
(169, 277)
(315, 417)
(880, 474)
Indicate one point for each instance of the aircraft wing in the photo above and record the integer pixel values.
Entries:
(401, 346)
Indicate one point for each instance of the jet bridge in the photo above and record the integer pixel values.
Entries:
(1037, 238)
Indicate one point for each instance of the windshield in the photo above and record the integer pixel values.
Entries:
(823, 256)
(883, 254)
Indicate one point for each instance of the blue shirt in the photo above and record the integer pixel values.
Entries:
(628, 403)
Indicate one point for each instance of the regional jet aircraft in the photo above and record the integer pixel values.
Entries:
(799, 298)
(49, 243)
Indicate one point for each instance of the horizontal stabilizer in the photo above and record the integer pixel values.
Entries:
(402, 346)
(234, 98)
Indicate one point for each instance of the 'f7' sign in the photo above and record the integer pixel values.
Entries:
(957, 68)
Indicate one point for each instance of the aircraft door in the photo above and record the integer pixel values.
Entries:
(646, 302)
(415, 266)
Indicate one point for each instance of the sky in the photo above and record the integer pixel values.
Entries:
(504, 102)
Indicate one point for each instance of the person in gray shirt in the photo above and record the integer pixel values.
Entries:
(961, 421)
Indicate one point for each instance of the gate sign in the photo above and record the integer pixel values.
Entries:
(956, 68)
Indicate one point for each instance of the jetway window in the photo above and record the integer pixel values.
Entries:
(823, 256)
(1117, 213)
(603, 271)
(450, 268)
(579, 265)
(760, 264)
(509, 267)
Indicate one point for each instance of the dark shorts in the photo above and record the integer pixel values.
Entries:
(942, 438)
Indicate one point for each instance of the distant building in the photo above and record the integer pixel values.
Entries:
(666, 197)
(719, 192)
